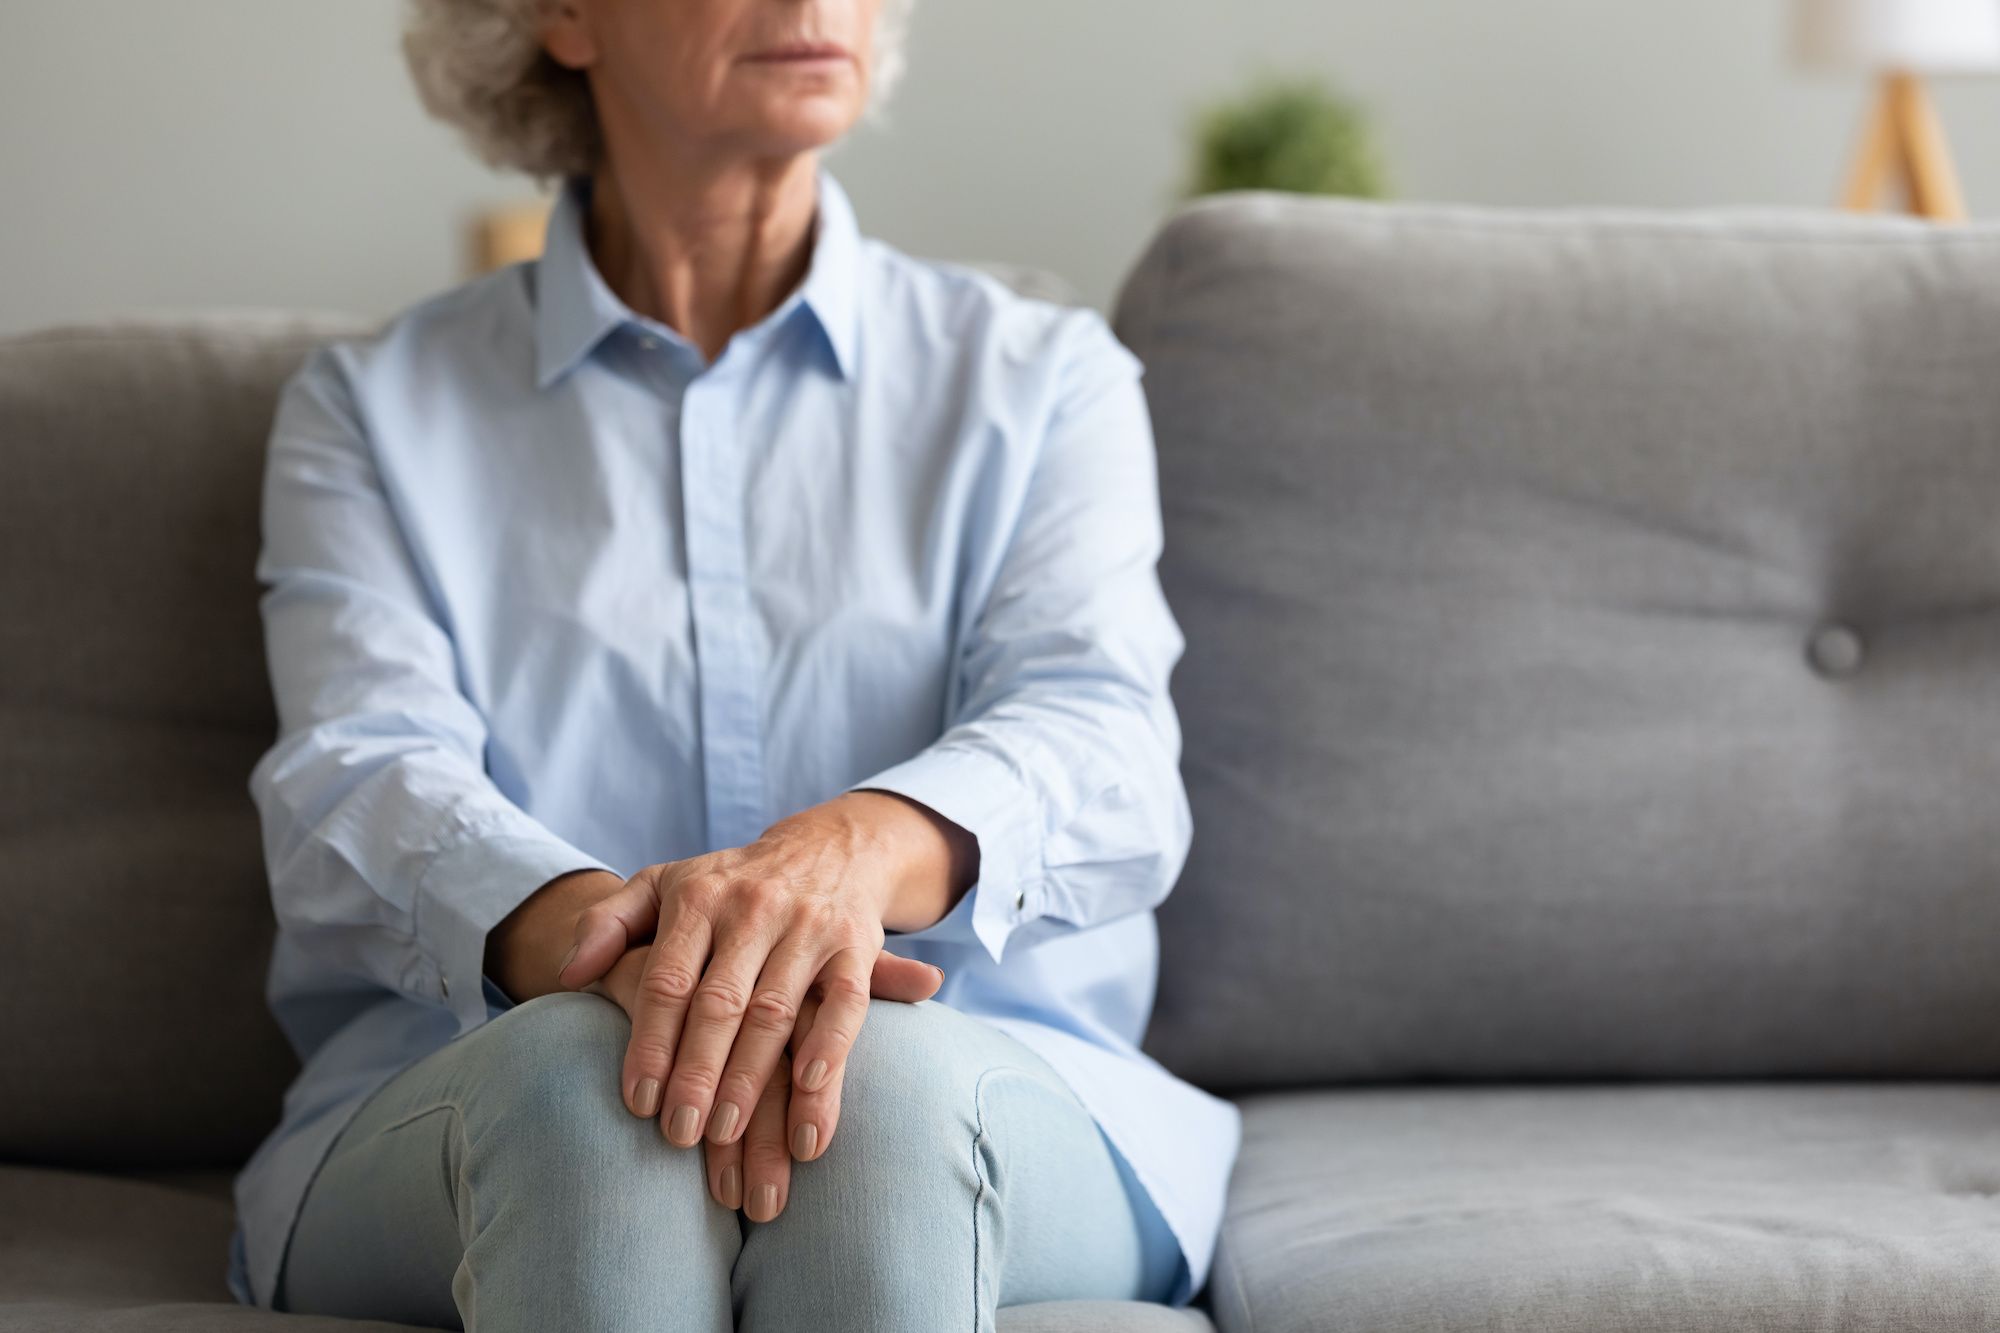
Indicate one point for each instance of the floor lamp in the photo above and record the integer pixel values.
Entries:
(1900, 42)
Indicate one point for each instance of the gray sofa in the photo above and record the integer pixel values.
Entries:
(1592, 712)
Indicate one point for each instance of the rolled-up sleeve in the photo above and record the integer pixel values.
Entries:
(391, 853)
(1063, 759)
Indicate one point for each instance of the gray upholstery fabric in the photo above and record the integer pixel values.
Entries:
(71, 1235)
(133, 702)
(1594, 641)
(44, 1317)
(104, 1254)
(1616, 1209)
(1101, 1317)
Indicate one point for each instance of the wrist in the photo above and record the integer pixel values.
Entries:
(922, 862)
(525, 950)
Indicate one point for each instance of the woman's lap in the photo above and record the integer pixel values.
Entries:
(502, 1176)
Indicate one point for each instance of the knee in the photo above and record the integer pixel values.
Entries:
(543, 1090)
(909, 1098)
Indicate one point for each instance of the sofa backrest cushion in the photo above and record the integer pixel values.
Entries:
(1593, 625)
(133, 703)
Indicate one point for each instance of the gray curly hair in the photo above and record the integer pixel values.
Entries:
(479, 65)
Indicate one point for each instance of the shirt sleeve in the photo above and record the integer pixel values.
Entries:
(1063, 759)
(391, 853)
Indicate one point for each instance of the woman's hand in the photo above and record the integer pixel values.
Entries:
(759, 946)
(753, 1171)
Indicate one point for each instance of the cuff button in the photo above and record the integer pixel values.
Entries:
(444, 987)
(1020, 900)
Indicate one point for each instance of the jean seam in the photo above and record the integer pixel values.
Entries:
(353, 1113)
(451, 1185)
(979, 1173)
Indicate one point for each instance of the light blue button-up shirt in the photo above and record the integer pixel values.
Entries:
(544, 591)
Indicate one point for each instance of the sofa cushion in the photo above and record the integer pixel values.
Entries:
(133, 703)
(1616, 1209)
(1593, 625)
(1048, 1317)
(72, 1235)
(187, 1317)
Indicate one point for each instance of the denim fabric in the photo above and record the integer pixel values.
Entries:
(499, 1183)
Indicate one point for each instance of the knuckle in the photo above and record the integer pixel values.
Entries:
(772, 1011)
(767, 1158)
(693, 1083)
(844, 987)
(756, 899)
(742, 1086)
(649, 1054)
(719, 1001)
(666, 985)
(704, 890)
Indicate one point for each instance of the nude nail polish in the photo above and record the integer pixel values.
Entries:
(815, 1076)
(804, 1139)
(732, 1186)
(763, 1203)
(722, 1122)
(686, 1122)
(646, 1097)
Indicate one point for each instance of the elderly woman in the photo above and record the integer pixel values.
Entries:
(659, 629)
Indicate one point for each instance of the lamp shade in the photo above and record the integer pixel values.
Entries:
(1921, 36)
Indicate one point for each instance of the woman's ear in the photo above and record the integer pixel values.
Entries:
(566, 36)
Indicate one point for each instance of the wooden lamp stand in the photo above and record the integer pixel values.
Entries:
(1904, 141)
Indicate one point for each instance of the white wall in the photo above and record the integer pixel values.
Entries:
(174, 153)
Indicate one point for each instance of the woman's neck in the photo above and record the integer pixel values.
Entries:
(706, 249)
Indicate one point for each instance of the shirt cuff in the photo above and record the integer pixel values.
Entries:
(466, 891)
(981, 795)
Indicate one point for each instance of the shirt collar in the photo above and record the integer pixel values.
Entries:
(575, 308)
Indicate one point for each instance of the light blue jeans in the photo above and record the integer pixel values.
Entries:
(500, 1184)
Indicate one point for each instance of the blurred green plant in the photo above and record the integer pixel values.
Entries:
(1288, 132)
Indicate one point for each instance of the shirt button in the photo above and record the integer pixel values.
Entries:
(444, 987)
(1835, 650)
(1020, 900)
(650, 343)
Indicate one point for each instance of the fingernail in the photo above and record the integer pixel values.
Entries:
(646, 1097)
(814, 1077)
(568, 958)
(722, 1122)
(940, 971)
(763, 1203)
(682, 1128)
(732, 1186)
(804, 1139)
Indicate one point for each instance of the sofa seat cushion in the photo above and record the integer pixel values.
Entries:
(83, 1253)
(72, 1235)
(178, 1317)
(1607, 1208)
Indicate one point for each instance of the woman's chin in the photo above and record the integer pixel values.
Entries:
(802, 125)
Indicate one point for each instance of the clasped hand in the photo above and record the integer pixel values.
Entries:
(730, 961)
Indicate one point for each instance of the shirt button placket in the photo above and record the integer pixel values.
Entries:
(729, 674)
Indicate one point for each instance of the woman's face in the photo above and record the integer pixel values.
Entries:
(763, 77)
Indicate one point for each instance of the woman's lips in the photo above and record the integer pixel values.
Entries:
(803, 53)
